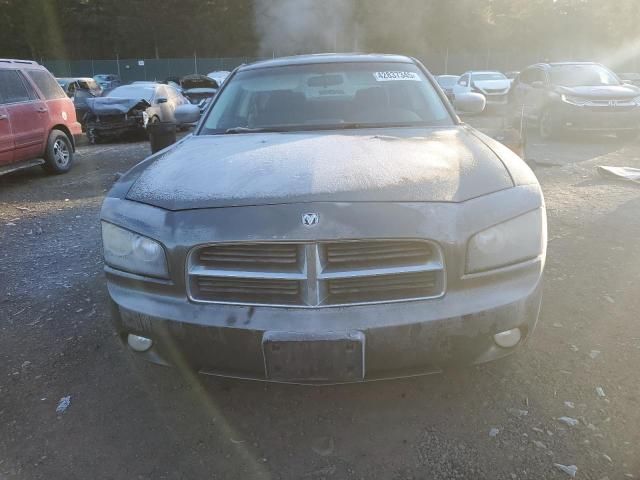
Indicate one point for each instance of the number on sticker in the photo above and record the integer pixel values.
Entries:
(395, 76)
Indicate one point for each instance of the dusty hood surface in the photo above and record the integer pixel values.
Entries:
(395, 165)
(115, 106)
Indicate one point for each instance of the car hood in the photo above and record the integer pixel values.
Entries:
(394, 165)
(601, 92)
(492, 84)
(113, 105)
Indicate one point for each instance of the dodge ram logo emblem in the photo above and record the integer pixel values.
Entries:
(310, 219)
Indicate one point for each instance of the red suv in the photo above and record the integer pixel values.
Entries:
(38, 122)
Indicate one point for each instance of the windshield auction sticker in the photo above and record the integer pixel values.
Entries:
(396, 76)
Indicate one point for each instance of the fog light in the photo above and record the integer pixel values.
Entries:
(508, 338)
(139, 344)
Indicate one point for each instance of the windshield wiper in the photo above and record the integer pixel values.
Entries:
(337, 126)
(253, 130)
(357, 126)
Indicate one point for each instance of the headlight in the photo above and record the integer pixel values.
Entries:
(131, 252)
(637, 101)
(516, 240)
(580, 102)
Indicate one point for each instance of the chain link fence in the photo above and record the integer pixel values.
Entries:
(131, 70)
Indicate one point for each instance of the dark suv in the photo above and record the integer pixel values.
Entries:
(37, 119)
(560, 97)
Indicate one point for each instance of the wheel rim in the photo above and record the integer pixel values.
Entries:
(61, 153)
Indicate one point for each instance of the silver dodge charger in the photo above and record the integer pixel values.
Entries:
(330, 220)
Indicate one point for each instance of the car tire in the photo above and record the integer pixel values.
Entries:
(627, 135)
(548, 127)
(59, 153)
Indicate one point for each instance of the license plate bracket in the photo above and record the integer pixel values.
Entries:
(332, 357)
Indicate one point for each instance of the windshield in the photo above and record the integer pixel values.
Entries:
(133, 91)
(488, 76)
(326, 96)
(582, 75)
(448, 81)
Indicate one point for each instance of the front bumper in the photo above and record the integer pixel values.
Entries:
(114, 129)
(496, 99)
(598, 119)
(399, 339)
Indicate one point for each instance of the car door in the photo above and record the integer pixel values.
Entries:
(538, 93)
(520, 92)
(6, 136)
(162, 103)
(175, 100)
(27, 114)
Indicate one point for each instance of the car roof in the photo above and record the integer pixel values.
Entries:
(562, 64)
(17, 63)
(324, 58)
(73, 79)
(483, 71)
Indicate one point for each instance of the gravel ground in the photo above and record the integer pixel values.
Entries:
(128, 419)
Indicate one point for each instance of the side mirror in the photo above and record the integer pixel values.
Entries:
(469, 102)
(160, 100)
(187, 113)
(537, 84)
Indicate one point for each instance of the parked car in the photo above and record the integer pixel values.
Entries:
(219, 76)
(199, 89)
(37, 120)
(493, 85)
(127, 109)
(107, 81)
(72, 84)
(79, 90)
(559, 97)
(512, 75)
(447, 82)
(325, 203)
(631, 78)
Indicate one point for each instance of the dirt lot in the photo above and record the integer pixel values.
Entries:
(132, 420)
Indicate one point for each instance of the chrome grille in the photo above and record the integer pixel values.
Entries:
(261, 290)
(261, 257)
(359, 254)
(393, 287)
(316, 274)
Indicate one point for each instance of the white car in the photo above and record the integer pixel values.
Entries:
(493, 85)
(219, 76)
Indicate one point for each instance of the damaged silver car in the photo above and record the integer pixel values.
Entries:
(331, 220)
(127, 110)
